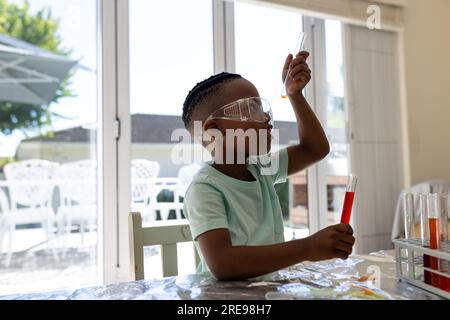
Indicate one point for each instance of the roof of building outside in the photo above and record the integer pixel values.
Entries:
(149, 128)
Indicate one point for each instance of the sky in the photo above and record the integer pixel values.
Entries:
(170, 51)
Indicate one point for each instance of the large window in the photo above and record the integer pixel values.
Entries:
(48, 145)
(170, 52)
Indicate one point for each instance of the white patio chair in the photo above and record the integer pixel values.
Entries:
(431, 186)
(185, 176)
(143, 191)
(78, 195)
(30, 191)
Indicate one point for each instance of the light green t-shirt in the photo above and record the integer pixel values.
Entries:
(250, 210)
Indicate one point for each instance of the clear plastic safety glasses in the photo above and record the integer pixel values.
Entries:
(254, 109)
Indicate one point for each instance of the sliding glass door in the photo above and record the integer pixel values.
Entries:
(170, 51)
(49, 132)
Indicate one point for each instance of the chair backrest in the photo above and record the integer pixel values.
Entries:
(187, 173)
(167, 236)
(77, 182)
(431, 186)
(142, 171)
(36, 187)
(185, 176)
(439, 186)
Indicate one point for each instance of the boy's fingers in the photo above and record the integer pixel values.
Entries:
(342, 227)
(299, 68)
(347, 239)
(288, 62)
(343, 247)
(297, 61)
(303, 77)
(304, 54)
(342, 254)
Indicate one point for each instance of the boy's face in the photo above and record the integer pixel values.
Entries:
(254, 138)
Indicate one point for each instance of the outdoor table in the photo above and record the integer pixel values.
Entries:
(296, 282)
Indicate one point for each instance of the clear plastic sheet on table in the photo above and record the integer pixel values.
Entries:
(331, 279)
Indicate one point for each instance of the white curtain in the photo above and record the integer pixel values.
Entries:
(375, 133)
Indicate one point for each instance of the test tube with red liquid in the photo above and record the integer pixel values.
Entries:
(425, 234)
(438, 233)
(435, 235)
(444, 265)
(348, 200)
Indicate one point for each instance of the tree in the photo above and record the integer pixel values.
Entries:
(39, 29)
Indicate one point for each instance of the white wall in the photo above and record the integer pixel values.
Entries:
(427, 62)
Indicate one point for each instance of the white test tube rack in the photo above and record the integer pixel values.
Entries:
(415, 249)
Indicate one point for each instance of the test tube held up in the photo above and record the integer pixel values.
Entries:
(348, 200)
(298, 48)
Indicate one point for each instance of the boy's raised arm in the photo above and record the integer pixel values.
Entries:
(313, 144)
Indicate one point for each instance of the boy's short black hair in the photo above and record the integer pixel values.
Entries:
(203, 90)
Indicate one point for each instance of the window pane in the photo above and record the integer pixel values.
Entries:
(337, 161)
(48, 165)
(264, 37)
(170, 51)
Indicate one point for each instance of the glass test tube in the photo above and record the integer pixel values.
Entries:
(435, 234)
(348, 200)
(408, 215)
(298, 48)
(425, 234)
(423, 213)
(444, 265)
(444, 217)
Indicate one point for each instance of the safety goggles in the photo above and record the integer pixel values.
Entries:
(254, 109)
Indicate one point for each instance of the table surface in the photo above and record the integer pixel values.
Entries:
(320, 280)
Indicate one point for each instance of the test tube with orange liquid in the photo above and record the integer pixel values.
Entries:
(298, 48)
(348, 199)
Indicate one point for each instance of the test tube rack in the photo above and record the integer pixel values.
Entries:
(415, 248)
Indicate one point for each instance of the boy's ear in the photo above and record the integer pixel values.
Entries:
(210, 124)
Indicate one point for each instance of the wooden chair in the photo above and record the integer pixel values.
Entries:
(165, 235)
